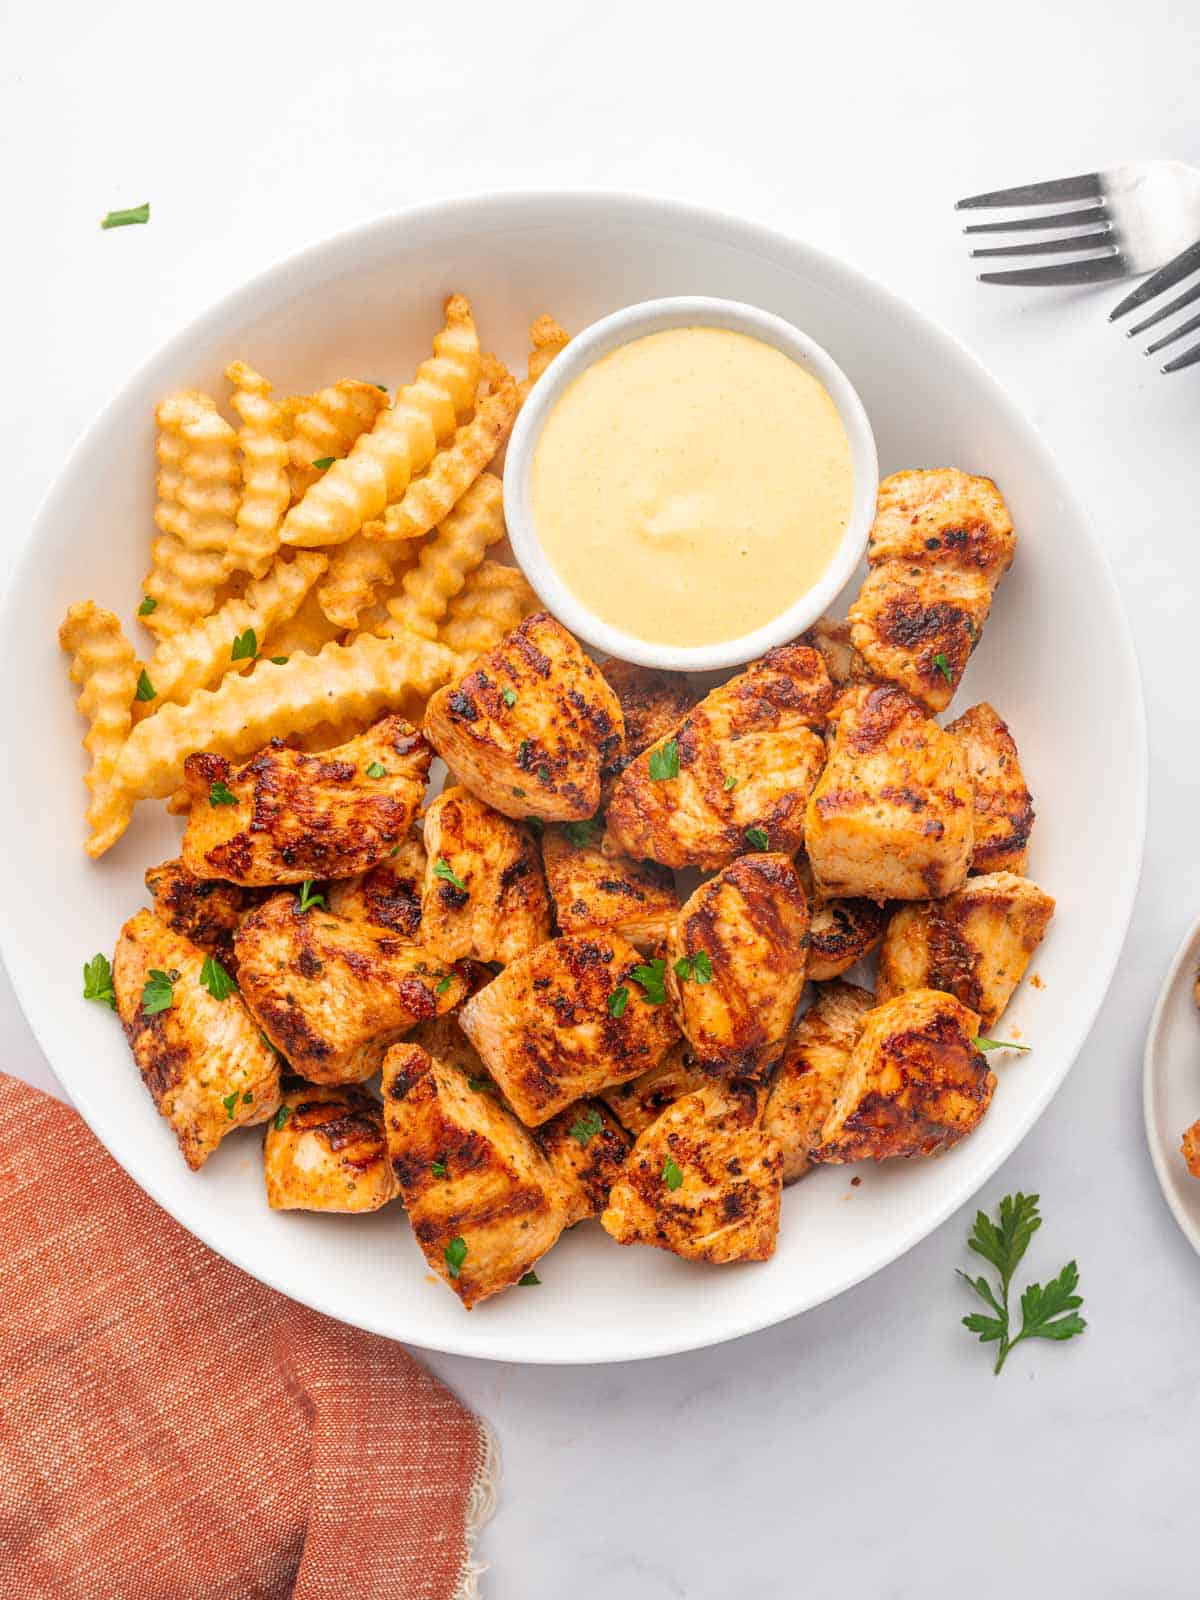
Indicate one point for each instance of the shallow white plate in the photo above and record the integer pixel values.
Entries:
(1171, 1084)
(1056, 659)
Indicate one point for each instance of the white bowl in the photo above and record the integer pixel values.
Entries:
(1056, 658)
(590, 346)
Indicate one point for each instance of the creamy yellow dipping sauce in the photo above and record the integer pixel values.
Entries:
(692, 485)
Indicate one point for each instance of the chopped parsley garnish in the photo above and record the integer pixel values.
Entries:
(582, 833)
(158, 992)
(215, 979)
(1049, 1313)
(382, 387)
(543, 773)
(528, 1281)
(147, 606)
(617, 1001)
(377, 770)
(664, 762)
(247, 1098)
(444, 985)
(757, 839)
(145, 689)
(126, 218)
(730, 783)
(455, 1254)
(97, 981)
(519, 794)
(278, 661)
(441, 869)
(438, 1167)
(694, 969)
(324, 462)
(981, 1043)
(510, 697)
(219, 795)
(245, 646)
(230, 1101)
(943, 667)
(307, 897)
(585, 1128)
(480, 1085)
(281, 1116)
(671, 1175)
(650, 976)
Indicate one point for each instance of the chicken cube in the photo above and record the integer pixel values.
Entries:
(531, 725)
(736, 962)
(570, 1017)
(1190, 1149)
(483, 1200)
(593, 889)
(586, 1146)
(331, 994)
(389, 894)
(975, 944)
(1003, 805)
(840, 932)
(811, 1072)
(831, 640)
(653, 704)
(704, 1181)
(325, 1151)
(485, 894)
(205, 910)
(931, 516)
(287, 815)
(736, 773)
(891, 815)
(202, 1059)
(643, 1100)
(916, 1082)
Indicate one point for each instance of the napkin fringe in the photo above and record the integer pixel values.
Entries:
(479, 1511)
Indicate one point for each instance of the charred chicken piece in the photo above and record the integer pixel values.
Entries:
(205, 910)
(653, 704)
(586, 1146)
(1003, 805)
(595, 890)
(811, 1072)
(389, 894)
(643, 1100)
(325, 1151)
(485, 894)
(840, 932)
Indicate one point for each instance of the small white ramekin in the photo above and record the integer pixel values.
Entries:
(635, 322)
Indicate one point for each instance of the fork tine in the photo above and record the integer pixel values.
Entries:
(1055, 219)
(1181, 266)
(1084, 187)
(1052, 247)
(1176, 333)
(1189, 358)
(1180, 300)
(1096, 269)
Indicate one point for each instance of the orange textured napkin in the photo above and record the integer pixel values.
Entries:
(171, 1430)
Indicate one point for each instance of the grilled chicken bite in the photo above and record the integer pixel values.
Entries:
(596, 890)
(483, 1200)
(643, 1100)
(205, 910)
(811, 1072)
(653, 704)
(704, 1181)
(1003, 804)
(975, 944)
(202, 1059)
(840, 932)
(531, 725)
(736, 962)
(485, 894)
(389, 894)
(564, 1021)
(586, 1146)
(941, 542)
(747, 758)
(891, 815)
(331, 994)
(294, 816)
(325, 1151)
(831, 639)
(915, 1085)
(1190, 1149)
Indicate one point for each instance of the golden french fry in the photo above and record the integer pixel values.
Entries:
(305, 633)
(240, 715)
(401, 443)
(199, 656)
(103, 661)
(199, 478)
(492, 601)
(182, 583)
(547, 339)
(327, 424)
(447, 559)
(265, 490)
(431, 497)
(360, 572)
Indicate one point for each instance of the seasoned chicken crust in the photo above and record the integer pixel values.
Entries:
(205, 910)
(595, 889)
(325, 1151)
(643, 1100)
(1003, 805)
(586, 1146)
(502, 908)
(811, 1072)
(389, 894)
(841, 932)
(653, 704)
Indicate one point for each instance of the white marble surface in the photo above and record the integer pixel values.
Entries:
(863, 1449)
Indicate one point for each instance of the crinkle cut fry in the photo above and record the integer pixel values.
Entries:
(239, 716)
(103, 662)
(265, 491)
(182, 583)
(402, 442)
(547, 339)
(199, 656)
(447, 560)
(491, 603)
(361, 571)
(326, 424)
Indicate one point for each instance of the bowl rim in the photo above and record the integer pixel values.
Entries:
(501, 210)
(600, 339)
(1153, 1081)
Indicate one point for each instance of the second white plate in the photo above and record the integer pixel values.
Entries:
(1171, 1084)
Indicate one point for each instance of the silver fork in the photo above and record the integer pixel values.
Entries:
(1136, 217)
(1183, 266)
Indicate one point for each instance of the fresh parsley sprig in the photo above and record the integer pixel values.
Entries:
(981, 1043)
(1046, 1313)
(307, 898)
(943, 666)
(585, 1127)
(97, 981)
(664, 762)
